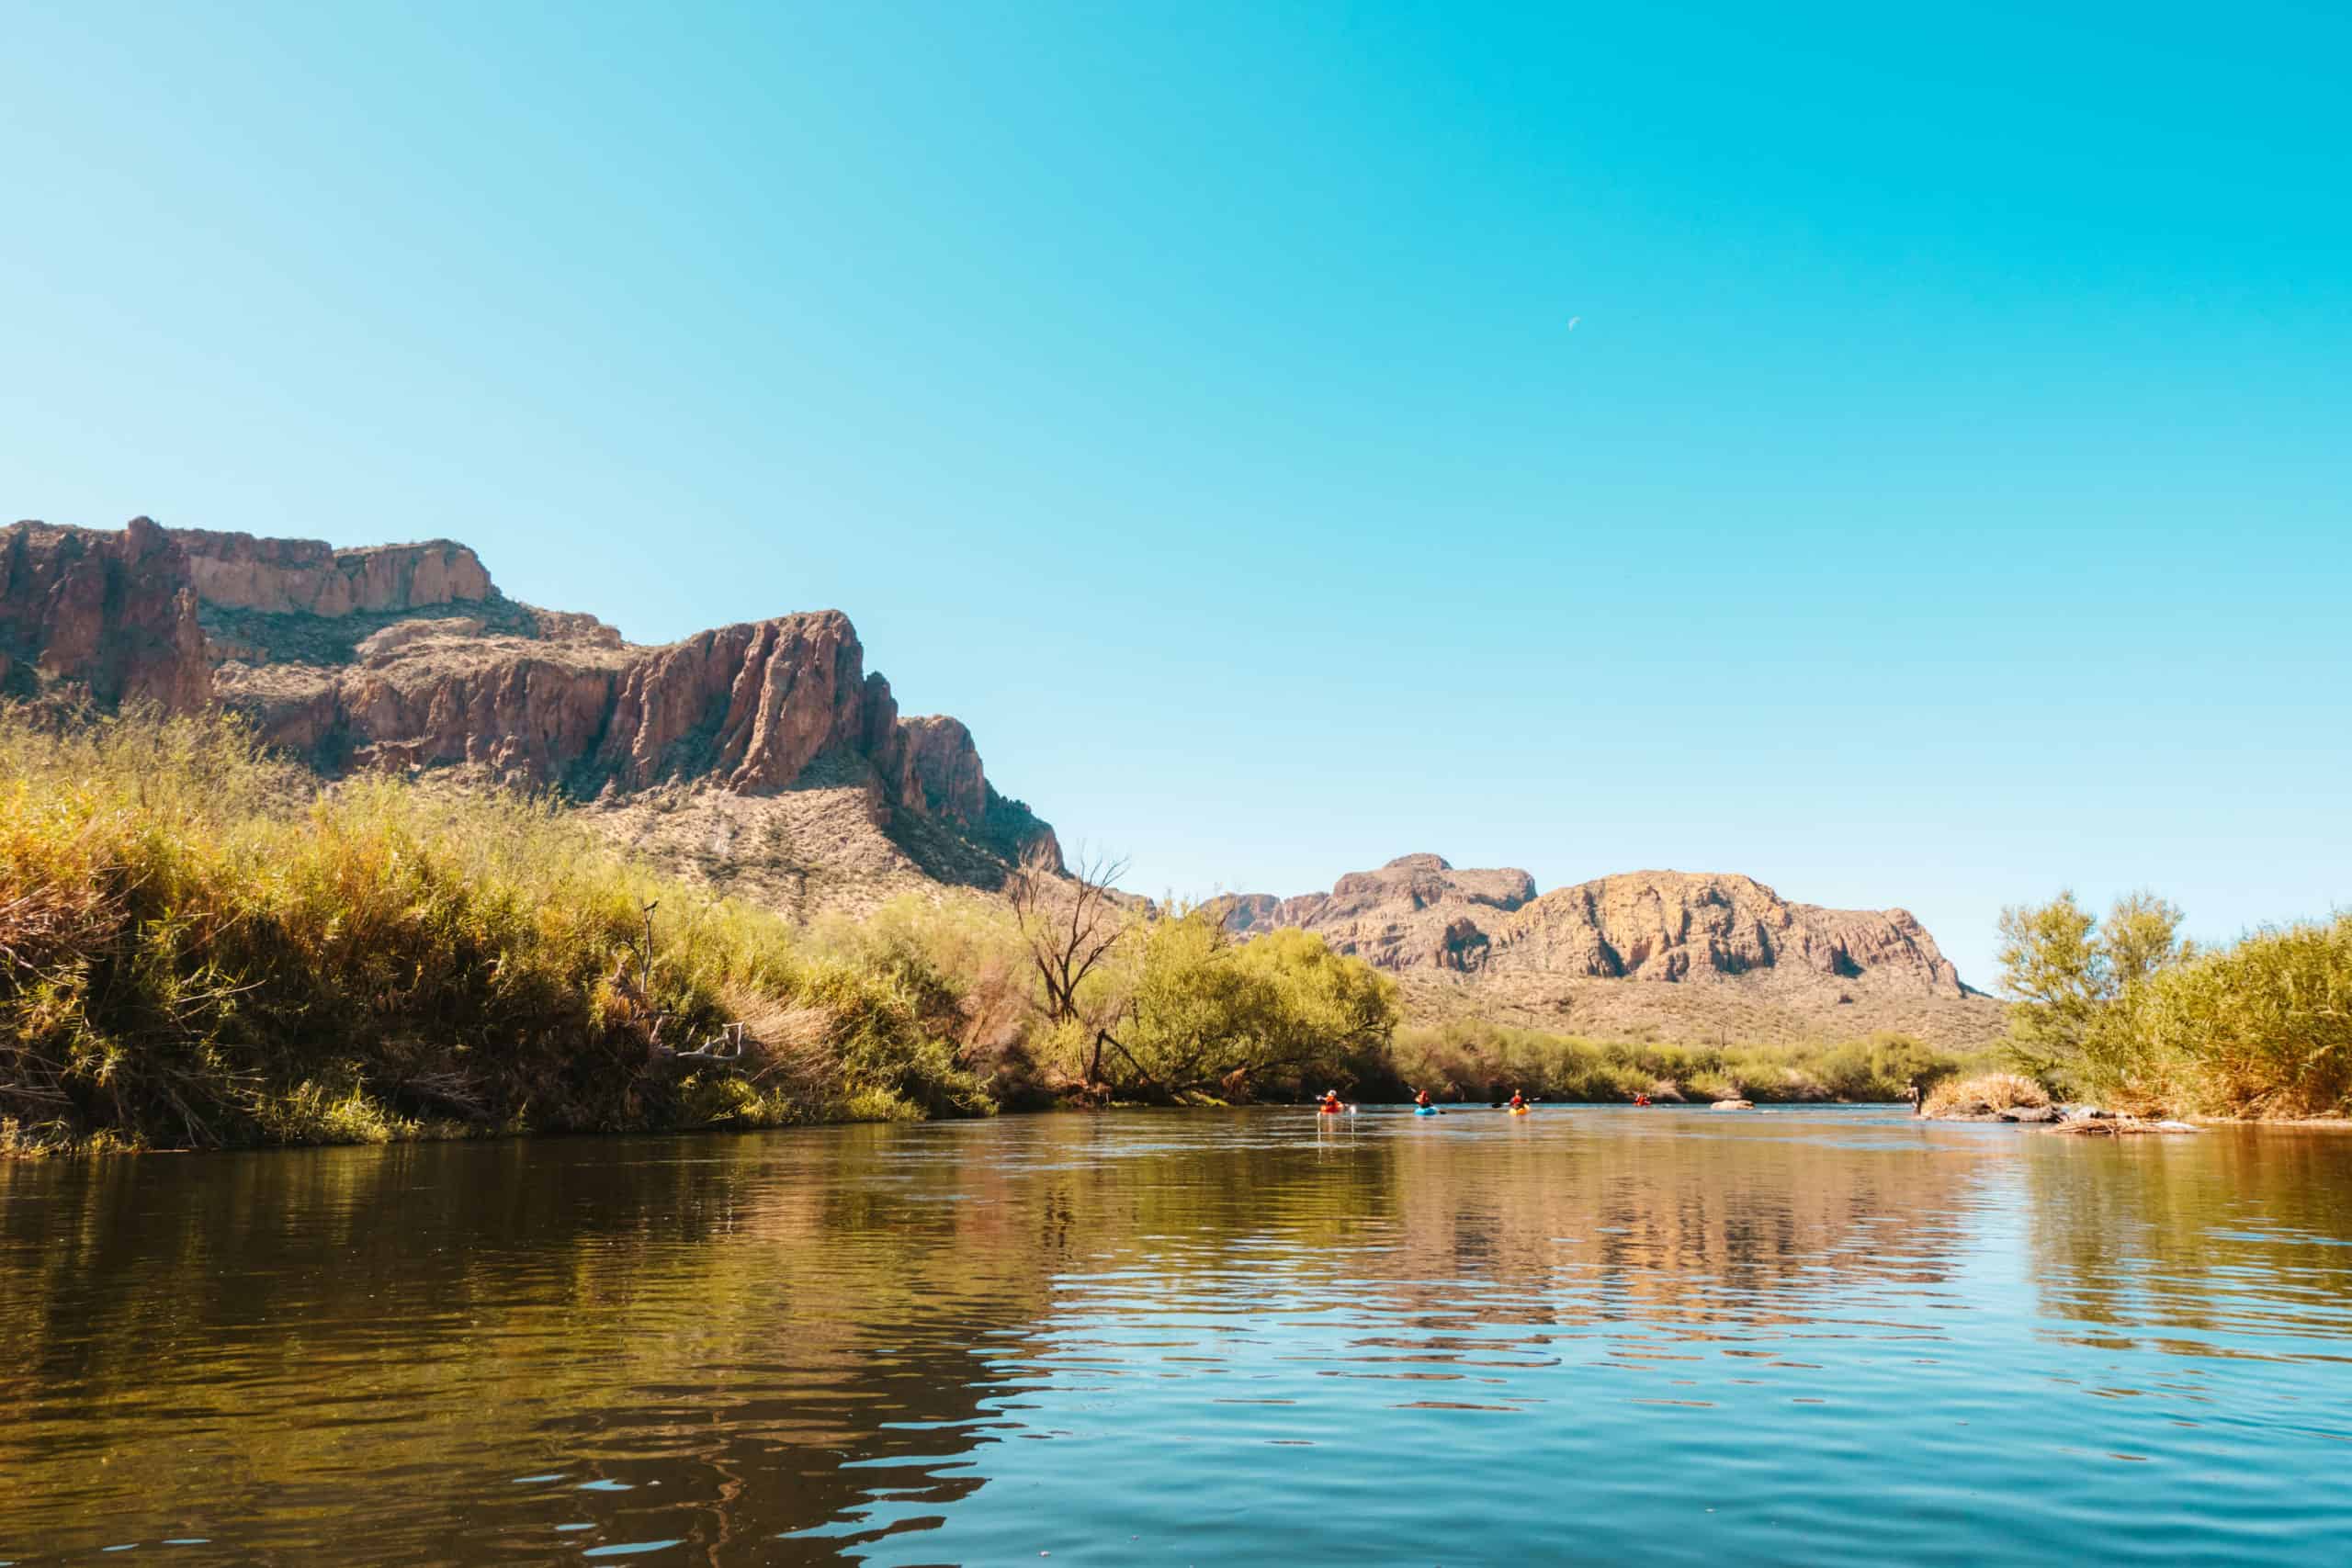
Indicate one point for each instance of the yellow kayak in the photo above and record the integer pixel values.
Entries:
(1516, 1110)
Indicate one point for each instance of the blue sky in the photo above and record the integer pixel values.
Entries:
(1944, 495)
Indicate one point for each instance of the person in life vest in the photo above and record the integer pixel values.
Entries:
(1330, 1106)
(1518, 1100)
(1640, 1100)
(1421, 1098)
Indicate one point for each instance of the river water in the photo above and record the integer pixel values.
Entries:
(1587, 1334)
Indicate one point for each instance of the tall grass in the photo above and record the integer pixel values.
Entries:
(199, 946)
(1987, 1091)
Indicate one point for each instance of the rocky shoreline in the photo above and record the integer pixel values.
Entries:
(2079, 1120)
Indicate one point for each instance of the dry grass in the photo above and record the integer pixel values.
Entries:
(201, 946)
(1984, 1092)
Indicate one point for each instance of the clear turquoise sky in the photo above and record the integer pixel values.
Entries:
(1944, 495)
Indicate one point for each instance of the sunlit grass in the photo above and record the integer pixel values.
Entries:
(200, 947)
(1996, 1091)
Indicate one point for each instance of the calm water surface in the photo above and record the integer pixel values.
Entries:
(1602, 1336)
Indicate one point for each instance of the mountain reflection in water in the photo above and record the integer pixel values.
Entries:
(1592, 1334)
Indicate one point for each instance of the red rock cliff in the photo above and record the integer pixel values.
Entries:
(311, 578)
(109, 615)
(406, 656)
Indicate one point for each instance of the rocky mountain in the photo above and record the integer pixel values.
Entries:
(1736, 954)
(407, 656)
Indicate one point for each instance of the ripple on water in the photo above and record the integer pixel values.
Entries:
(1700, 1342)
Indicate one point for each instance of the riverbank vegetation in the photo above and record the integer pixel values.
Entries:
(198, 947)
(1473, 1060)
(2119, 1009)
(203, 946)
(1982, 1094)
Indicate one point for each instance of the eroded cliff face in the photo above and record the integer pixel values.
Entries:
(1415, 910)
(309, 577)
(1661, 926)
(1665, 926)
(104, 617)
(407, 656)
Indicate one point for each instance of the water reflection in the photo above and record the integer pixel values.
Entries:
(1242, 1336)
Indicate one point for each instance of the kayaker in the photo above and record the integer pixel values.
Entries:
(1421, 1098)
(1518, 1100)
(1331, 1106)
(1640, 1100)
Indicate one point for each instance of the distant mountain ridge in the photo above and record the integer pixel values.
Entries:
(1696, 945)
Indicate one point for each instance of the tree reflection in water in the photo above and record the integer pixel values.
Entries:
(944, 1342)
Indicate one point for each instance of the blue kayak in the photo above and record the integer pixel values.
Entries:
(1425, 1111)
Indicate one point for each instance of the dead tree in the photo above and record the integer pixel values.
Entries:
(1070, 922)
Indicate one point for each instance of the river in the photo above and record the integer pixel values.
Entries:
(1596, 1334)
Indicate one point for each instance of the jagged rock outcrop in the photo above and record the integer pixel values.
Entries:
(1670, 925)
(408, 656)
(1415, 910)
(750, 708)
(753, 704)
(107, 617)
(932, 759)
(1660, 926)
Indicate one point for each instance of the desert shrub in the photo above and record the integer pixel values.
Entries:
(1992, 1091)
(2121, 1008)
(1206, 1014)
(2260, 1028)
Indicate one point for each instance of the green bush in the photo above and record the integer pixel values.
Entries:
(2263, 1027)
(2122, 1010)
(1206, 1014)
